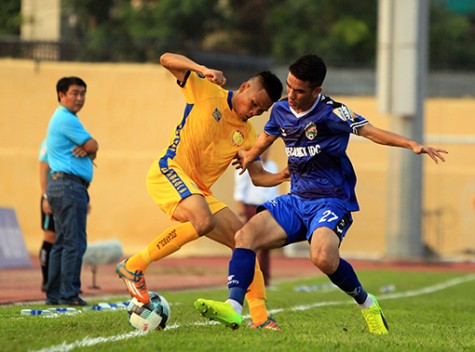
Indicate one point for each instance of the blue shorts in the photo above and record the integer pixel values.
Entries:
(299, 217)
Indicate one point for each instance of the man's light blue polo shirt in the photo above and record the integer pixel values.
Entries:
(65, 132)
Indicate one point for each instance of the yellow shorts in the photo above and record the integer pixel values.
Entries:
(169, 186)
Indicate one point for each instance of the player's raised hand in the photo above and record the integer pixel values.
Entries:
(241, 161)
(237, 162)
(215, 76)
(434, 153)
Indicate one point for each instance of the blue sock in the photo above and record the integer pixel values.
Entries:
(241, 273)
(345, 278)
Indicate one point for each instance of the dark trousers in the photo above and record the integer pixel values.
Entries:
(68, 200)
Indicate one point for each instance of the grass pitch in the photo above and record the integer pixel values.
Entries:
(425, 311)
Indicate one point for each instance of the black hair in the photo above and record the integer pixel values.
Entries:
(272, 84)
(309, 68)
(65, 82)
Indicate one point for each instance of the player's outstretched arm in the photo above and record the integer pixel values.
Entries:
(178, 65)
(262, 178)
(384, 137)
(245, 157)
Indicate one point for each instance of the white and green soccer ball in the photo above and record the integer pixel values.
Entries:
(152, 316)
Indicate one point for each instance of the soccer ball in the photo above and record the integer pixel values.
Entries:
(151, 316)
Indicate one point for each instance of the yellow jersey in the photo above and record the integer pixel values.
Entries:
(208, 136)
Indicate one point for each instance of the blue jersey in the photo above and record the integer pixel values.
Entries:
(65, 132)
(315, 143)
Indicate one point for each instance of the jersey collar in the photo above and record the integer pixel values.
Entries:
(300, 114)
(230, 98)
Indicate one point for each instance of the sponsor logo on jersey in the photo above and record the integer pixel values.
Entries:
(344, 113)
(301, 152)
(217, 115)
(311, 131)
(238, 138)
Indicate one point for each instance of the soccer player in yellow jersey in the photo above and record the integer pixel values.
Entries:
(207, 138)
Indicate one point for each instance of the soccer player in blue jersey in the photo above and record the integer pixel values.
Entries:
(316, 131)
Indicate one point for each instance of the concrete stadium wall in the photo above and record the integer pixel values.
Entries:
(132, 109)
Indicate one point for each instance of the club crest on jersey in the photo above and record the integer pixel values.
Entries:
(344, 113)
(238, 138)
(311, 131)
(217, 115)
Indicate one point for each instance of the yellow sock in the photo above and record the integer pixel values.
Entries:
(256, 297)
(168, 242)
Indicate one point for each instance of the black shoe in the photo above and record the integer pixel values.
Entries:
(79, 302)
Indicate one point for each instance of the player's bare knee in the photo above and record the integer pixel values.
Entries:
(204, 225)
(316, 261)
(324, 263)
(239, 238)
(243, 239)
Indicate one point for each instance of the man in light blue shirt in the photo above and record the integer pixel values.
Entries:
(71, 151)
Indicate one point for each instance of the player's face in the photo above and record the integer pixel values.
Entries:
(300, 95)
(251, 100)
(74, 98)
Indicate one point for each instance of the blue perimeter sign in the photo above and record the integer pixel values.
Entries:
(13, 253)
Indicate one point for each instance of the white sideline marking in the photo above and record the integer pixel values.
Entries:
(423, 291)
(87, 341)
